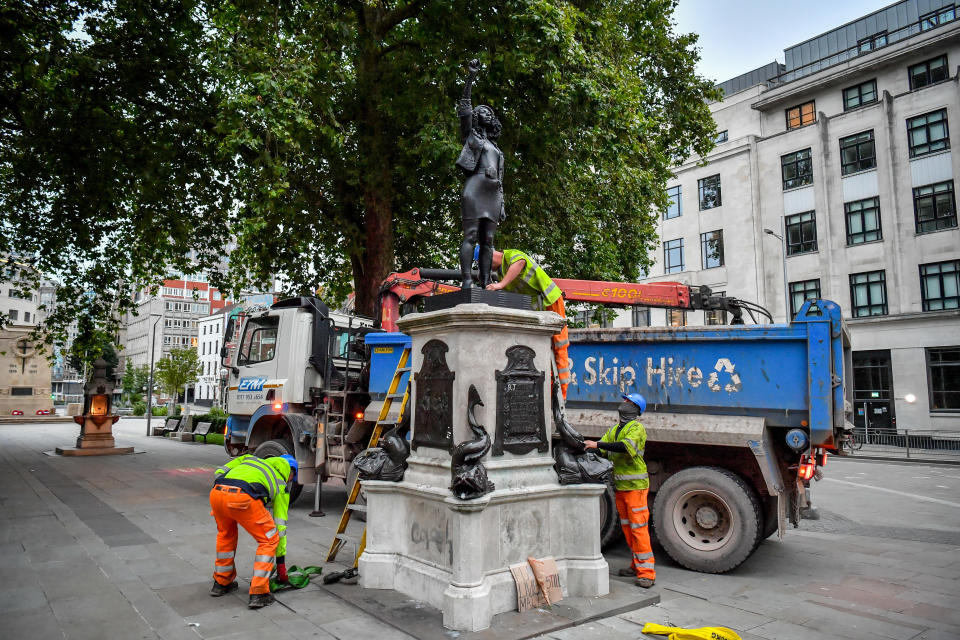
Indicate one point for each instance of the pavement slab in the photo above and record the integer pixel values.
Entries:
(853, 574)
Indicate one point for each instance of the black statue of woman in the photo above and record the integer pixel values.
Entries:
(481, 205)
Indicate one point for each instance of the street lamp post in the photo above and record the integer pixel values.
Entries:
(153, 339)
(783, 261)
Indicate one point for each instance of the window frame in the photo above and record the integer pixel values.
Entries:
(716, 317)
(800, 119)
(875, 41)
(848, 211)
(677, 202)
(704, 240)
(667, 266)
(671, 313)
(722, 136)
(928, 80)
(702, 184)
(254, 326)
(795, 159)
(884, 307)
(806, 289)
(927, 144)
(931, 379)
(636, 312)
(863, 162)
(918, 195)
(859, 90)
(933, 19)
(939, 275)
(800, 222)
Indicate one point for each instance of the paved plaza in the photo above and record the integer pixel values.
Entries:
(121, 547)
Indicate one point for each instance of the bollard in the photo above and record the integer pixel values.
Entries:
(907, 433)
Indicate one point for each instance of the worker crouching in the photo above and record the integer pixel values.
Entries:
(623, 444)
(242, 490)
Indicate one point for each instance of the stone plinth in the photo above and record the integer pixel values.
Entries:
(96, 438)
(455, 554)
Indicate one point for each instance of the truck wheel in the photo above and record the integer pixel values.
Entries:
(609, 520)
(707, 519)
(351, 476)
(272, 448)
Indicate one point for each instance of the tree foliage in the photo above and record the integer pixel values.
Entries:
(135, 381)
(322, 136)
(177, 369)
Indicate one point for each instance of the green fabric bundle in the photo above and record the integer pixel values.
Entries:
(298, 578)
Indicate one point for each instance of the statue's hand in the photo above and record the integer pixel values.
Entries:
(474, 66)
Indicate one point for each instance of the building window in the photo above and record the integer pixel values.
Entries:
(21, 391)
(676, 318)
(26, 316)
(857, 153)
(721, 137)
(714, 317)
(868, 294)
(801, 233)
(863, 221)
(801, 115)
(797, 169)
(943, 370)
(860, 95)
(940, 285)
(929, 72)
(640, 316)
(940, 16)
(673, 256)
(875, 41)
(711, 249)
(935, 207)
(928, 133)
(673, 208)
(709, 192)
(801, 291)
(14, 315)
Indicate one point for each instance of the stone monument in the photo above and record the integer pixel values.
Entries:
(455, 554)
(96, 422)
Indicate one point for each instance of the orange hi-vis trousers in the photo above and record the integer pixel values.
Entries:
(230, 507)
(634, 516)
(560, 343)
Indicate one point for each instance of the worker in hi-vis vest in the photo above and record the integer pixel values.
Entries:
(242, 488)
(520, 273)
(623, 444)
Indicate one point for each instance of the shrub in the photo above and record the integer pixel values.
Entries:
(218, 424)
(158, 411)
(139, 408)
(218, 412)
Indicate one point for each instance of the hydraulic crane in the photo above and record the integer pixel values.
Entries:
(401, 288)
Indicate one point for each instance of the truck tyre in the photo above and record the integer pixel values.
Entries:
(284, 447)
(609, 520)
(361, 499)
(707, 519)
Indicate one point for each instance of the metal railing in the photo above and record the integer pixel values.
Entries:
(927, 444)
(876, 41)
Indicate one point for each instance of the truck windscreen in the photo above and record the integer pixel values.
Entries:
(259, 340)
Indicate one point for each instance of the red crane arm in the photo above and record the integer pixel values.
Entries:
(671, 295)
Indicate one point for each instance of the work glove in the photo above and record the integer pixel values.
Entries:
(282, 569)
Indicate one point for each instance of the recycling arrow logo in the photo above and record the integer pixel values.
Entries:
(724, 364)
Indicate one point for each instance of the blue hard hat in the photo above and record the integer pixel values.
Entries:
(636, 399)
(293, 465)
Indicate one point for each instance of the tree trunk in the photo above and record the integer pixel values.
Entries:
(376, 259)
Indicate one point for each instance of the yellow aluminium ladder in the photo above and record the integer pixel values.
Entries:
(393, 394)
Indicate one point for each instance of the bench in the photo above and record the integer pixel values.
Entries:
(168, 427)
(202, 430)
(185, 432)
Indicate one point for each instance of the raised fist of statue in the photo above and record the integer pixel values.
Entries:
(474, 66)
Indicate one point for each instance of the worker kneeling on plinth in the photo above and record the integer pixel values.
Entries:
(241, 492)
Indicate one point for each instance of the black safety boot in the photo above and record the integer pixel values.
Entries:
(258, 600)
(644, 583)
(218, 589)
(626, 573)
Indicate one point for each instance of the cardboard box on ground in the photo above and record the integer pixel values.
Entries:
(529, 594)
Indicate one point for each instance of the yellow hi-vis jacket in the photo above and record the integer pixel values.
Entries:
(532, 281)
(629, 469)
(263, 478)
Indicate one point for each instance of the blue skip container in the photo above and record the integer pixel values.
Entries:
(385, 351)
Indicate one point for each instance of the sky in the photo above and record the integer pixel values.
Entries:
(739, 36)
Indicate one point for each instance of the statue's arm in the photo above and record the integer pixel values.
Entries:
(464, 105)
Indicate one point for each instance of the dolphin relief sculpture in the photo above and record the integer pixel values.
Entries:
(469, 476)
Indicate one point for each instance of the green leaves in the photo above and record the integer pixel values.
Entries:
(321, 136)
(178, 368)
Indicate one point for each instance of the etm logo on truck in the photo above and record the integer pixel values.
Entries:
(251, 384)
